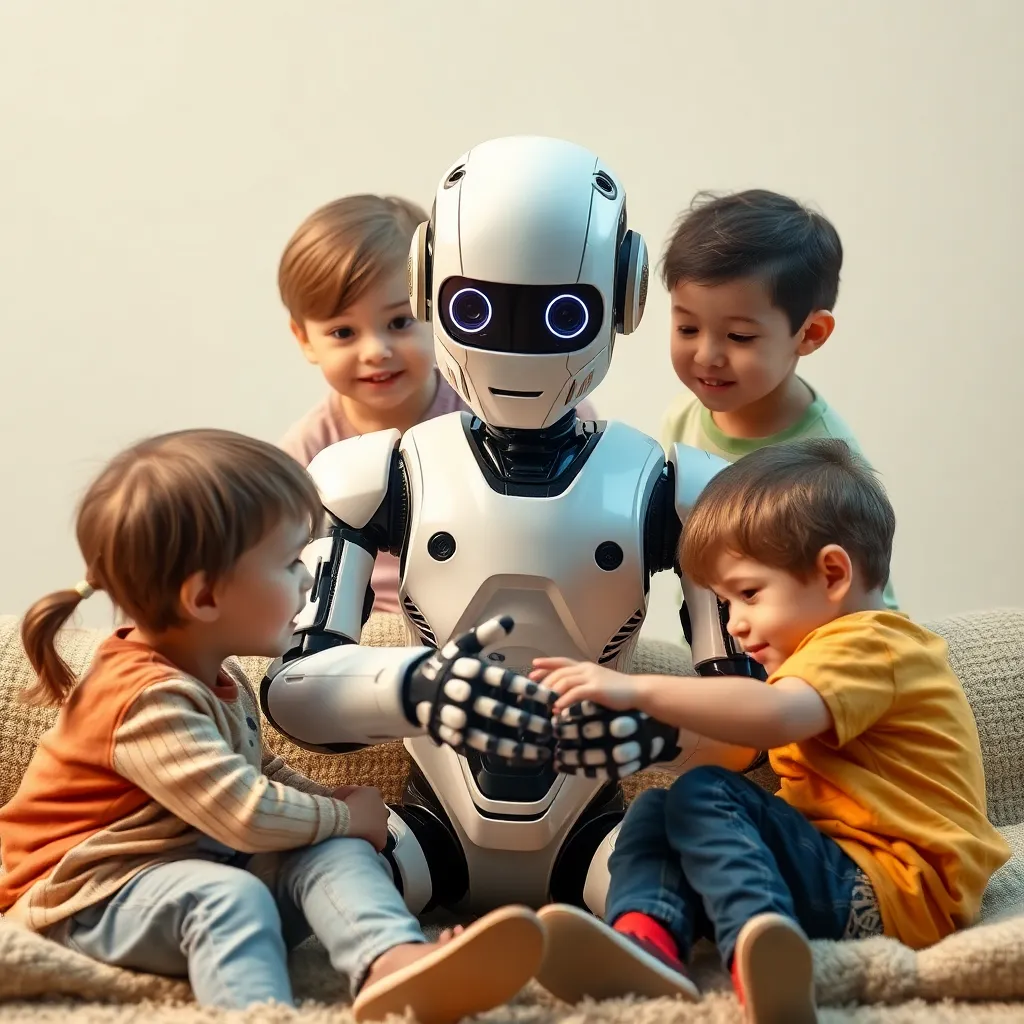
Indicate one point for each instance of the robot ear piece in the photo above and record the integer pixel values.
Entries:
(631, 280)
(419, 272)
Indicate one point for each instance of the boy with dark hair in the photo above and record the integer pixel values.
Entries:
(753, 277)
(879, 824)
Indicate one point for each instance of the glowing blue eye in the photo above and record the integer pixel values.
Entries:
(470, 310)
(567, 316)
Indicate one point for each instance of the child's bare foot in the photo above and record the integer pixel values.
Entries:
(467, 971)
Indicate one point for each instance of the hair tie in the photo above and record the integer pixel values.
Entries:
(85, 589)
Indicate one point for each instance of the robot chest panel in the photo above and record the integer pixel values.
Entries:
(568, 568)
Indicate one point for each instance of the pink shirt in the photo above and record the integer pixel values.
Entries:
(326, 423)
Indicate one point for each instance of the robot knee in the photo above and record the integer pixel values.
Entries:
(427, 864)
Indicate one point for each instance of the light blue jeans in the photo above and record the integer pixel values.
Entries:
(229, 931)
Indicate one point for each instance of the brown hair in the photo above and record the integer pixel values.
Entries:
(795, 251)
(782, 504)
(341, 250)
(164, 509)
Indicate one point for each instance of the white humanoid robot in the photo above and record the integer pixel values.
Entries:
(518, 518)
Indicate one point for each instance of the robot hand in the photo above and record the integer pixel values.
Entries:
(463, 701)
(592, 740)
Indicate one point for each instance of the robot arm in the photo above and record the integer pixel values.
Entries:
(330, 695)
(326, 693)
(703, 616)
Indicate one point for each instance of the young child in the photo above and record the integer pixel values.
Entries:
(150, 831)
(879, 824)
(342, 279)
(754, 278)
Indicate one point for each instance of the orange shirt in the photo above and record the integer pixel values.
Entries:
(898, 782)
(143, 765)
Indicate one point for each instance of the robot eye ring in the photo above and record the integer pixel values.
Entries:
(562, 334)
(455, 319)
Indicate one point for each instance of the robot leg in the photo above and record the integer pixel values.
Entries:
(423, 852)
(595, 889)
(408, 864)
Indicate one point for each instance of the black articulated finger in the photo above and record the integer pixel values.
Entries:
(453, 716)
(485, 742)
(488, 707)
(517, 750)
(520, 685)
(538, 726)
(625, 753)
(512, 716)
(584, 709)
(594, 755)
(475, 640)
(443, 734)
(482, 741)
(512, 750)
(494, 630)
(511, 682)
(566, 730)
(466, 667)
(467, 643)
(623, 725)
(569, 756)
(515, 718)
(458, 690)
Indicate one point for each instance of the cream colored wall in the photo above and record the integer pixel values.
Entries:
(156, 156)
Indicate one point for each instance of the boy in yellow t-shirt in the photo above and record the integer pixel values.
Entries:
(879, 824)
(753, 277)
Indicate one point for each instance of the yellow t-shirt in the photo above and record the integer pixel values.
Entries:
(688, 422)
(898, 782)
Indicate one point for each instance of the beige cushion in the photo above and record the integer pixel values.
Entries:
(986, 651)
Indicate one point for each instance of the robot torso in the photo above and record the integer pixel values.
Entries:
(568, 567)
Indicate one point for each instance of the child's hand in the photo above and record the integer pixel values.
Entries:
(368, 815)
(576, 681)
(344, 792)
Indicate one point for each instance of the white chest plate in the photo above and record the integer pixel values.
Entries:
(532, 558)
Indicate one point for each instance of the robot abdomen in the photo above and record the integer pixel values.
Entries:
(568, 569)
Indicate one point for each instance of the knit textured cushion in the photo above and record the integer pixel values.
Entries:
(986, 650)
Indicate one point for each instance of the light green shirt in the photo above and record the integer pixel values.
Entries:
(688, 422)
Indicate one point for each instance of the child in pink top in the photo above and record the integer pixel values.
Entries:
(342, 279)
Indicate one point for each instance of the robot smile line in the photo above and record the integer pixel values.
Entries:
(503, 393)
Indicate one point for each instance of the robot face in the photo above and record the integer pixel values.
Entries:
(522, 319)
(527, 272)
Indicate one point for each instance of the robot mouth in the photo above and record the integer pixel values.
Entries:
(503, 393)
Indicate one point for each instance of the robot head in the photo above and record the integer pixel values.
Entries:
(528, 271)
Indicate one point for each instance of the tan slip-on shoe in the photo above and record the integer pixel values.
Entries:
(585, 957)
(477, 970)
(773, 972)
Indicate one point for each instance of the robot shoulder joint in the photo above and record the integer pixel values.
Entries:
(353, 475)
(692, 470)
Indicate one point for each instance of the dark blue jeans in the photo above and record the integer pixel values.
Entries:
(714, 850)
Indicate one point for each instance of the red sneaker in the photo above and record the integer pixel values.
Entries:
(773, 972)
(650, 932)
